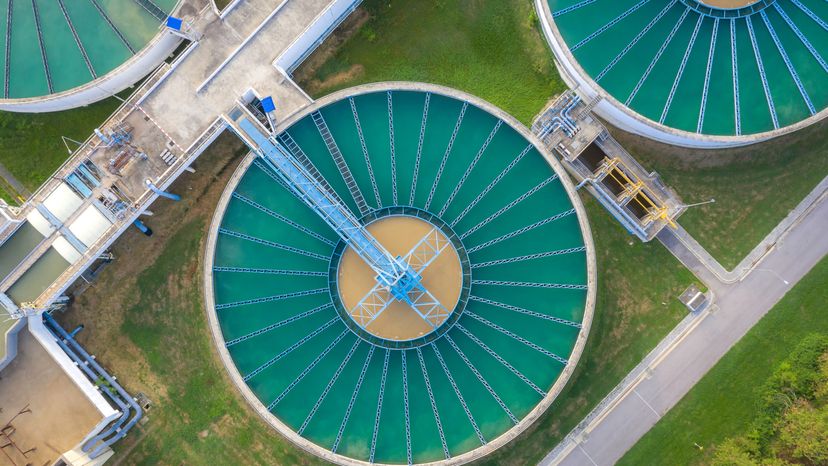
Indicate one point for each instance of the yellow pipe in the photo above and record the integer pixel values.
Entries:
(654, 205)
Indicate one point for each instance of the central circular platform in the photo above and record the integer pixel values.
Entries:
(515, 280)
(443, 278)
(728, 4)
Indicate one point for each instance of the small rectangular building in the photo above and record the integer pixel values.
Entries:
(636, 198)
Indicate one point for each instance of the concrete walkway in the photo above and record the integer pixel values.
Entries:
(742, 298)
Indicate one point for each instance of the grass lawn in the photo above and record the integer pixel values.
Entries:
(144, 316)
(723, 403)
(153, 331)
(494, 49)
(6, 196)
(154, 335)
(755, 187)
(490, 48)
(30, 144)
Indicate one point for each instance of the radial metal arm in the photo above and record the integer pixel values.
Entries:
(417, 296)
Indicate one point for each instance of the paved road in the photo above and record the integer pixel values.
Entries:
(618, 424)
(708, 269)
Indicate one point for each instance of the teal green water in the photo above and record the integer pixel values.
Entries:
(375, 131)
(690, 87)
(640, 60)
(106, 51)
(64, 56)
(340, 119)
(134, 22)
(29, 78)
(17, 247)
(167, 5)
(306, 364)
(307, 136)
(720, 91)
(408, 110)
(655, 90)
(39, 276)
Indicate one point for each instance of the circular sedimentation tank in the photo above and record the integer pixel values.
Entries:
(735, 70)
(515, 274)
(399, 230)
(52, 46)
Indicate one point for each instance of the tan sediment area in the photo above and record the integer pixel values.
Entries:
(443, 278)
(728, 3)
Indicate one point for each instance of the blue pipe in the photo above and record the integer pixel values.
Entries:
(153, 188)
(103, 137)
(139, 413)
(556, 123)
(76, 331)
(566, 112)
(564, 121)
(117, 426)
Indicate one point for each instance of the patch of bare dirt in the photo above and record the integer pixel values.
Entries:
(305, 74)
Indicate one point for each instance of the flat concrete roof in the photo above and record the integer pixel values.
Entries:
(60, 417)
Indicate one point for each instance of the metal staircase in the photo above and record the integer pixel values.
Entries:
(333, 148)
